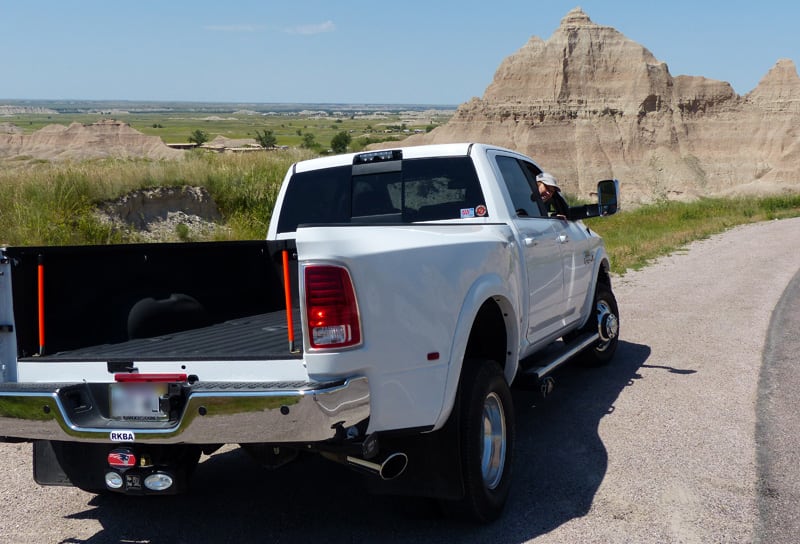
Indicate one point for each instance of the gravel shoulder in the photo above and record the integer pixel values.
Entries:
(658, 447)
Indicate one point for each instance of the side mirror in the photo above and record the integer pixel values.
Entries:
(608, 196)
(607, 202)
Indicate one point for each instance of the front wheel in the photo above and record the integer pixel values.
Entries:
(605, 321)
(486, 442)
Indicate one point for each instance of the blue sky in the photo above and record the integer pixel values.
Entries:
(432, 52)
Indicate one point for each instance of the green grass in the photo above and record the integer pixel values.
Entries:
(634, 238)
(53, 204)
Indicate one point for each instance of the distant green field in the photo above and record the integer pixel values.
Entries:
(176, 127)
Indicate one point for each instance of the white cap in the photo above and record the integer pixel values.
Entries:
(549, 180)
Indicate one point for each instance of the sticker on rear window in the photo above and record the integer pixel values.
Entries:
(480, 211)
(467, 212)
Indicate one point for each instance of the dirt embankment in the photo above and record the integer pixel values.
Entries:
(107, 138)
(165, 214)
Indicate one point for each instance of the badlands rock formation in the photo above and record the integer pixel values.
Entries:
(589, 103)
(107, 138)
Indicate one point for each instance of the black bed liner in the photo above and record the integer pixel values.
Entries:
(257, 337)
(128, 302)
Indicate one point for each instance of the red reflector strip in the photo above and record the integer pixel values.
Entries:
(135, 377)
(433, 356)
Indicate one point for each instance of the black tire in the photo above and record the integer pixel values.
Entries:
(605, 320)
(486, 442)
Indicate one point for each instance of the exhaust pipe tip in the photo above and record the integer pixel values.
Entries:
(390, 468)
(393, 466)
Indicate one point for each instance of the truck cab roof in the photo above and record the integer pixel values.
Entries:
(415, 152)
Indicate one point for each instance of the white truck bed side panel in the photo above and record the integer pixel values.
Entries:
(411, 282)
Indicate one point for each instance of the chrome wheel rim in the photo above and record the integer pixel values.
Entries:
(607, 325)
(493, 444)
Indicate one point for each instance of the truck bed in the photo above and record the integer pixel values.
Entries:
(262, 336)
(185, 301)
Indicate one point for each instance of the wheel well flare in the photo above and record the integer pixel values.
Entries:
(488, 337)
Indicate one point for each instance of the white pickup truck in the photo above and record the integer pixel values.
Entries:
(397, 297)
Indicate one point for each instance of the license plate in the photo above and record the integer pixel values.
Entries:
(137, 401)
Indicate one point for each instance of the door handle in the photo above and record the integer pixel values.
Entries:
(563, 238)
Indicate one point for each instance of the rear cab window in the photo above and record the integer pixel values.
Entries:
(382, 187)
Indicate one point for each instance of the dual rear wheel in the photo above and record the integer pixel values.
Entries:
(486, 438)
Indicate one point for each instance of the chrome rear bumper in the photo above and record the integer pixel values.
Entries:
(213, 413)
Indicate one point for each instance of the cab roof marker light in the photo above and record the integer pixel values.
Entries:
(378, 156)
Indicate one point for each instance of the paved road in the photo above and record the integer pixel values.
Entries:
(662, 446)
(778, 425)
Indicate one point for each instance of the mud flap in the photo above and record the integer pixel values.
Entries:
(434, 465)
(70, 463)
(46, 467)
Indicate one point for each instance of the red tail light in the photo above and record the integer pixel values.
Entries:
(332, 313)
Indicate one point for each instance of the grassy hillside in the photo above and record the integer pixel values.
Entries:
(46, 203)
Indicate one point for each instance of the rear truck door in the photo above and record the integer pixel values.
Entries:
(540, 246)
(578, 263)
